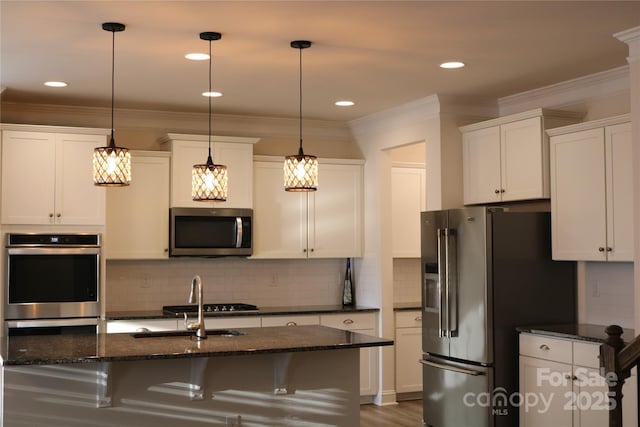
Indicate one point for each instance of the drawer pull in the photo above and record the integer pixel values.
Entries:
(419, 318)
(292, 324)
(545, 347)
(347, 322)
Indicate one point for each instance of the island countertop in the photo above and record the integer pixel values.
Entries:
(61, 349)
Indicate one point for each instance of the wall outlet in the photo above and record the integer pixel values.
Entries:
(234, 421)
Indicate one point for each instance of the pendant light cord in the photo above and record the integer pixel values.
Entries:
(300, 112)
(113, 68)
(210, 68)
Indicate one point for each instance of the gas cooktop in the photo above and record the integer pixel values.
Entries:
(208, 308)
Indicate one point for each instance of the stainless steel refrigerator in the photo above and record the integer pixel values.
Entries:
(485, 271)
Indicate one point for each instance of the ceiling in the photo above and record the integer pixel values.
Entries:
(379, 54)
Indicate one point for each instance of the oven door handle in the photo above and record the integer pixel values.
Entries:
(44, 323)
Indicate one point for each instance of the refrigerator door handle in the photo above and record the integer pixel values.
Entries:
(452, 282)
(442, 303)
(451, 368)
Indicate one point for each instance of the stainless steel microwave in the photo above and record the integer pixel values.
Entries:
(210, 232)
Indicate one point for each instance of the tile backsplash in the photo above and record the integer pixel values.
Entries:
(406, 280)
(148, 285)
(609, 293)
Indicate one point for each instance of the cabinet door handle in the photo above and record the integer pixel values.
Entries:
(50, 215)
(496, 191)
(601, 249)
(312, 249)
(609, 249)
(545, 347)
(166, 250)
(347, 322)
(292, 324)
(58, 215)
(304, 250)
(502, 190)
(419, 318)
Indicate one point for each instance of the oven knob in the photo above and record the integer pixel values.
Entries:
(224, 308)
(216, 308)
(232, 308)
(208, 309)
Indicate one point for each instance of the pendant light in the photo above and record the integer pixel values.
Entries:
(111, 164)
(300, 170)
(209, 181)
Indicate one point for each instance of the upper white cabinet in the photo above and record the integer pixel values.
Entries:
(507, 158)
(326, 223)
(408, 199)
(234, 152)
(138, 215)
(47, 176)
(592, 191)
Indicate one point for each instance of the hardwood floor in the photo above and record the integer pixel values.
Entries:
(405, 414)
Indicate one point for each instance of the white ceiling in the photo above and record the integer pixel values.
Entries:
(377, 53)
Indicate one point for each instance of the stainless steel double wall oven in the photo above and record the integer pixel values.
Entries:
(52, 283)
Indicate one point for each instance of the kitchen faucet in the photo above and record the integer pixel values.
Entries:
(201, 332)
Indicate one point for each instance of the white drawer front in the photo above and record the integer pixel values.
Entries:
(409, 319)
(351, 321)
(586, 354)
(543, 347)
(291, 320)
(231, 322)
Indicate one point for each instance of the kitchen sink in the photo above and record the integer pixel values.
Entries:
(167, 334)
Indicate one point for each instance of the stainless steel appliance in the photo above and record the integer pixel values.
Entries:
(210, 232)
(208, 308)
(52, 280)
(485, 271)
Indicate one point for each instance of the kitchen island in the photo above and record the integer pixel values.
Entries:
(302, 376)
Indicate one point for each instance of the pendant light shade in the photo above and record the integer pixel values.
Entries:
(111, 164)
(209, 181)
(300, 170)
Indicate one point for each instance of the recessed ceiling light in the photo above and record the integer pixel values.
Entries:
(345, 103)
(452, 65)
(55, 84)
(212, 94)
(197, 56)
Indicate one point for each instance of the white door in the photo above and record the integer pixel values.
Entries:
(78, 200)
(481, 165)
(578, 207)
(335, 212)
(138, 215)
(407, 201)
(522, 160)
(28, 177)
(408, 354)
(279, 217)
(619, 193)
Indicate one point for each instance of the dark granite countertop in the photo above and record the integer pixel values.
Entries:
(262, 311)
(407, 306)
(61, 349)
(576, 331)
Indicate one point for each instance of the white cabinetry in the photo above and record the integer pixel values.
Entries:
(291, 320)
(507, 158)
(408, 199)
(234, 152)
(565, 373)
(408, 344)
(592, 191)
(135, 325)
(138, 215)
(364, 323)
(326, 223)
(47, 176)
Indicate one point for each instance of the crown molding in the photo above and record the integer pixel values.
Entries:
(174, 121)
(570, 92)
(632, 38)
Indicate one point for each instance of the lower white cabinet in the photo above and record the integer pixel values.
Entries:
(563, 376)
(138, 325)
(297, 320)
(408, 345)
(364, 323)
